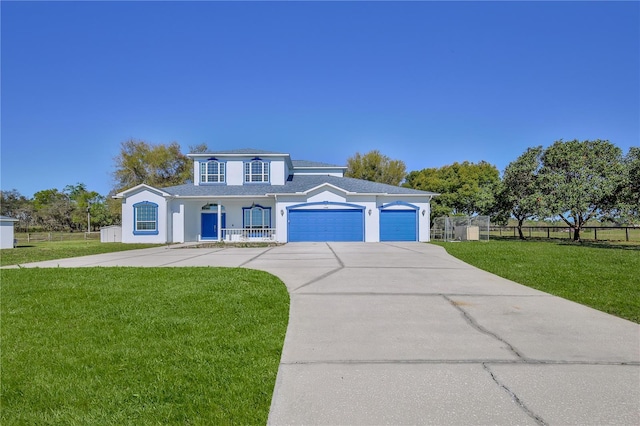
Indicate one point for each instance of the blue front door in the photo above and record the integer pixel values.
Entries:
(209, 225)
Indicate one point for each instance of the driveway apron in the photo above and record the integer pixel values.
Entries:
(403, 333)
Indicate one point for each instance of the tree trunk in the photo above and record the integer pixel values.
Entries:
(520, 229)
(576, 234)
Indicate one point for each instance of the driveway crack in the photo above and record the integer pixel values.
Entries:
(255, 257)
(539, 420)
(481, 329)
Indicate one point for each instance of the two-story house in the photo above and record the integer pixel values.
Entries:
(250, 194)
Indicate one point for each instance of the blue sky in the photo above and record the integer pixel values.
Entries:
(429, 83)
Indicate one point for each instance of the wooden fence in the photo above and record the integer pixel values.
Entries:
(596, 233)
(29, 237)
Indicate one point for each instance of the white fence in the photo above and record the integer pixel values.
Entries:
(244, 234)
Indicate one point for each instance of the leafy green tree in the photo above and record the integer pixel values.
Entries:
(630, 191)
(17, 206)
(81, 200)
(376, 167)
(465, 188)
(53, 210)
(520, 195)
(581, 181)
(156, 165)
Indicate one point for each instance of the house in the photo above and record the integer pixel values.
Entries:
(255, 195)
(6, 232)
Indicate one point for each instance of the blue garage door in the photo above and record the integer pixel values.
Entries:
(398, 225)
(326, 225)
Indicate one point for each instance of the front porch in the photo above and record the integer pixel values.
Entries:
(234, 235)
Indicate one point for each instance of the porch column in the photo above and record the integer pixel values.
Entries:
(219, 222)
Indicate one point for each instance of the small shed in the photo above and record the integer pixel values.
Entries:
(6, 232)
(111, 234)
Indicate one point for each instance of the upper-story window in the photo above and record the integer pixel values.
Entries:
(145, 218)
(256, 171)
(212, 171)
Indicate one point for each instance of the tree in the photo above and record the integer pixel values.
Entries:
(156, 165)
(198, 149)
(53, 210)
(630, 190)
(520, 194)
(81, 200)
(465, 188)
(376, 167)
(17, 206)
(581, 181)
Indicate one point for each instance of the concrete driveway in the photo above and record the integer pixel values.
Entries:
(403, 333)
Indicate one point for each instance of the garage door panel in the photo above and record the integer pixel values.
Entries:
(398, 225)
(326, 225)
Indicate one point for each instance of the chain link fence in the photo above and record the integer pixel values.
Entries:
(461, 228)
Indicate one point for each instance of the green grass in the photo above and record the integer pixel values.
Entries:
(599, 275)
(139, 346)
(49, 250)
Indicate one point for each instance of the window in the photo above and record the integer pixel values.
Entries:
(145, 218)
(256, 171)
(256, 217)
(212, 171)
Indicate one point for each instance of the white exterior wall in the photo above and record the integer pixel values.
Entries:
(127, 218)
(277, 172)
(6, 234)
(235, 172)
(177, 221)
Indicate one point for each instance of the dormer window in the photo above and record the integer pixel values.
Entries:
(212, 171)
(256, 171)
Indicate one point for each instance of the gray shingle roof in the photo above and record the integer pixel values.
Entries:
(305, 163)
(245, 151)
(296, 184)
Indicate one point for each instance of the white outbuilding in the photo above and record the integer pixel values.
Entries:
(6, 232)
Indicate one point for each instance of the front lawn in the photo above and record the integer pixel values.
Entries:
(139, 346)
(50, 250)
(602, 276)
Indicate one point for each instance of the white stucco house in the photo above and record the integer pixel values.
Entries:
(255, 195)
(6, 232)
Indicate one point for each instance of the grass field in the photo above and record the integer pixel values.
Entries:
(603, 276)
(139, 346)
(49, 250)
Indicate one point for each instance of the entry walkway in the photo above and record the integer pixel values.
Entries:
(403, 333)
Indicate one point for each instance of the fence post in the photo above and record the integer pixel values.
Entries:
(595, 234)
(626, 231)
(548, 235)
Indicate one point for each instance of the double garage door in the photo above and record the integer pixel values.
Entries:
(348, 225)
(326, 225)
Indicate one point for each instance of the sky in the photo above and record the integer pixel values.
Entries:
(428, 83)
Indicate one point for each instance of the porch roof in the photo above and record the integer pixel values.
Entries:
(295, 185)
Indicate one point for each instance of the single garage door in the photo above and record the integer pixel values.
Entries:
(398, 225)
(326, 225)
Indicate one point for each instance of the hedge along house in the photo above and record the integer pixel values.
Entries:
(254, 195)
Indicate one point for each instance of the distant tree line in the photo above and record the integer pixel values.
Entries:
(63, 210)
(570, 181)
